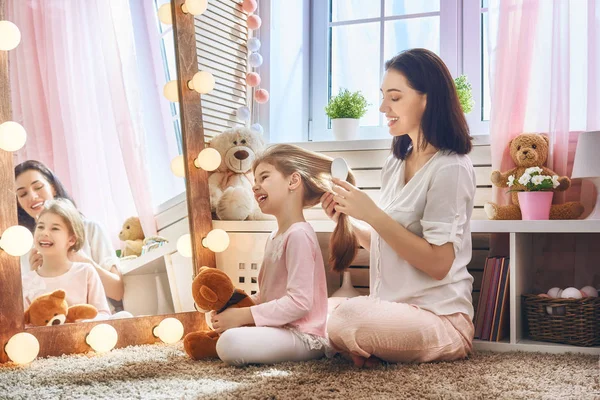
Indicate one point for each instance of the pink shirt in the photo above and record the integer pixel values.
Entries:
(81, 283)
(291, 282)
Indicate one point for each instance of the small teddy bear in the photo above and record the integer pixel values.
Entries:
(52, 309)
(230, 185)
(133, 236)
(212, 291)
(529, 150)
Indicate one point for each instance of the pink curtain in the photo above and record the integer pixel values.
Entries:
(76, 88)
(544, 78)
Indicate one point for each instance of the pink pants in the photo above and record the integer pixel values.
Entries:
(398, 332)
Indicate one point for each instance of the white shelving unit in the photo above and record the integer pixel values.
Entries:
(158, 282)
(521, 237)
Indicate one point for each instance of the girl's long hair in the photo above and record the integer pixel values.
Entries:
(315, 171)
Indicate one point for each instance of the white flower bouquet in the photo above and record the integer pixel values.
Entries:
(533, 181)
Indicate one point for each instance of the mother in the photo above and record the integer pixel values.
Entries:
(35, 184)
(420, 308)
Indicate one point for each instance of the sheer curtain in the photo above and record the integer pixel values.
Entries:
(77, 88)
(544, 67)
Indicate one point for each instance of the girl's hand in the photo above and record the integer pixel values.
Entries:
(328, 206)
(35, 259)
(353, 201)
(231, 318)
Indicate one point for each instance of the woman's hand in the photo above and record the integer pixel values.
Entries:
(231, 318)
(35, 259)
(328, 206)
(353, 201)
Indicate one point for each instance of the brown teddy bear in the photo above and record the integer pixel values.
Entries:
(529, 150)
(133, 236)
(230, 185)
(212, 291)
(52, 309)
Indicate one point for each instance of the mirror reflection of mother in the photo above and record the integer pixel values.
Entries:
(36, 183)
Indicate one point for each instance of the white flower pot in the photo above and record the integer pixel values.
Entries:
(345, 128)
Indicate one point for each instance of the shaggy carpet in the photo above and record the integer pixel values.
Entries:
(165, 372)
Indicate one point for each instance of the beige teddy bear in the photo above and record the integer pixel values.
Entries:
(133, 236)
(529, 150)
(230, 185)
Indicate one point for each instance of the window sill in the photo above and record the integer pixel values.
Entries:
(367, 144)
(346, 145)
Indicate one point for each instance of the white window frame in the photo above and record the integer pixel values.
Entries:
(459, 47)
(472, 63)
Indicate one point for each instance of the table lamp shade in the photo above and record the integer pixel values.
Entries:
(587, 156)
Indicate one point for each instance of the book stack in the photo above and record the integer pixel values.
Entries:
(492, 315)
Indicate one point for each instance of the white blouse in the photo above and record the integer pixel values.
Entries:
(435, 204)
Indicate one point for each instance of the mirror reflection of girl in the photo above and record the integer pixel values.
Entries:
(36, 184)
(291, 305)
(58, 232)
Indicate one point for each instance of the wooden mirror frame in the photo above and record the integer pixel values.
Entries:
(70, 338)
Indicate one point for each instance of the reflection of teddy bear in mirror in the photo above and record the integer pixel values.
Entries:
(52, 309)
(212, 291)
(133, 237)
(529, 150)
(230, 186)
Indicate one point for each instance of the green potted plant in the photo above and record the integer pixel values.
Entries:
(465, 95)
(345, 111)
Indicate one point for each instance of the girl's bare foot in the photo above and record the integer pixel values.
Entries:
(358, 361)
(372, 362)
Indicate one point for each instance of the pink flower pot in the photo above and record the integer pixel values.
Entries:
(535, 205)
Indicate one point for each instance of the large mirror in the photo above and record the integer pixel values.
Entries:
(87, 82)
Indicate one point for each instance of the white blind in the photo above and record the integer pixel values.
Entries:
(221, 37)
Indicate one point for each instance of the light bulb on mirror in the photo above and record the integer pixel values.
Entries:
(164, 14)
(170, 330)
(217, 240)
(10, 35)
(22, 348)
(202, 82)
(184, 245)
(178, 166)
(12, 136)
(194, 7)
(16, 240)
(102, 338)
(209, 159)
(170, 91)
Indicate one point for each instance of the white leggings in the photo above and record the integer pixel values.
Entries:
(263, 345)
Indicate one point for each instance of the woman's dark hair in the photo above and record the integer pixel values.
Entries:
(25, 219)
(443, 124)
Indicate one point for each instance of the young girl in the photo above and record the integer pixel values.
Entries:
(59, 231)
(35, 184)
(419, 235)
(291, 305)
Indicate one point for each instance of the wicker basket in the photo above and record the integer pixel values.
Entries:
(567, 321)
